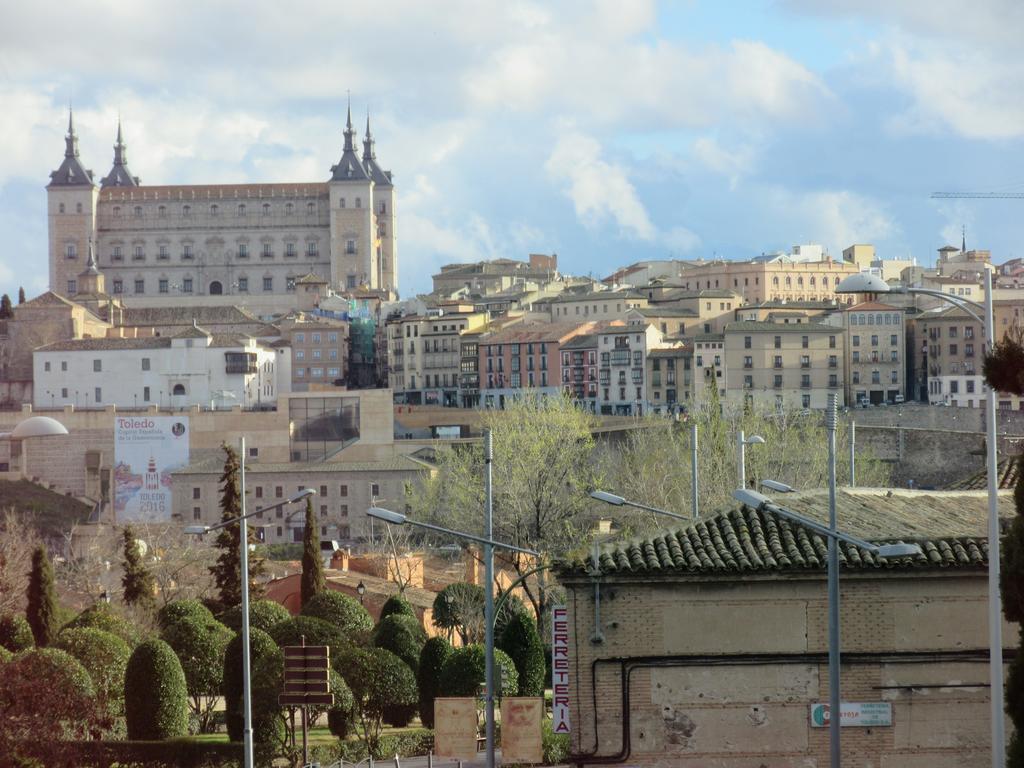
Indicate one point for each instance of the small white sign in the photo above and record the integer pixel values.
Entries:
(560, 669)
(868, 714)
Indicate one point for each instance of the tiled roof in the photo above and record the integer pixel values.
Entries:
(757, 325)
(526, 332)
(583, 341)
(1007, 472)
(92, 345)
(874, 305)
(190, 192)
(660, 311)
(751, 541)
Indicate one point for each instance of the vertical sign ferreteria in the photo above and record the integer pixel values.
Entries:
(455, 728)
(520, 729)
(560, 669)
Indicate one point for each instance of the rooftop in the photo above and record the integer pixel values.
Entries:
(1007, 475)
(527, 332)
(741, 326)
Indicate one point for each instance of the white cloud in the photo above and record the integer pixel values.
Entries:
(834, 218)
(599, 190)
(733, 164)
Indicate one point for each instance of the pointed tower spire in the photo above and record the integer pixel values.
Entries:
(349, 131)
(71, 140)
(119, 175)
(90, 265)
(369, 152)
(963, 240)
(349, 168)
(71, 172)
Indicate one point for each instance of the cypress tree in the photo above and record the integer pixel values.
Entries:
(6, 310)
(41, 611)
(137, 581)
(227, 572)
(313, 581)
(1012, 587)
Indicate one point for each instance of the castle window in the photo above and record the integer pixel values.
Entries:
(266, 209)
(359, 202)
(310, 208)
(243, 251)
(138, 254)
(186, 251)
(241, 209)
(162, 253)
(288, 208)
(383, 207)
(267, 252)
(289, 285)
(350, 246)
(70, 251)
(311, 248)
(72, 286)
(214, 209)
(140, 286)
(179, 389)
(289, 249)
(268, 283)
(341, 203)
(163, 286)
(61, 209)
(117, 210)
(243, 285)
(162, 211)
(186, 210)
(186, 285)
(119, 286)
(117, 255)
(137, 211)
(78, 207)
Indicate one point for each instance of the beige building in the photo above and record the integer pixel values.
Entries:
(711, 646)
(709, 365)
(787, 311)
(876, 359)
(758, 281)
(319, 350)
(784, 365)
(173, 245)
(595, 305)
(485, 277)
(669, 378)
(860, 255)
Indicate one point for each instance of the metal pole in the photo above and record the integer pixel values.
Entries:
(741, 459)
(489, 597)
(305, 736)
(243, 534)
(693, 469)
(853, 453)
(995, 608)
(834, 699)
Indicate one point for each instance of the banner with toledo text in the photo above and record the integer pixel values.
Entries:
(146, 450)
(560, 669)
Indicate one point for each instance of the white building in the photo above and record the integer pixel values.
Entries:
(193, 367)
(622, 355)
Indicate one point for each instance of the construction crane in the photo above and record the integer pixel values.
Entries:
(977, 195)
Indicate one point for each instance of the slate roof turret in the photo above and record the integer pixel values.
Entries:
(349, 168)
(119, 175)
(71, 172)
(380, 176)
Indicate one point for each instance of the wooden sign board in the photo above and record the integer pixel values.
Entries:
(521, 729)
(304, 699)
(307, 651)
(455, 728)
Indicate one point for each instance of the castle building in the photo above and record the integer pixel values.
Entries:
(181, 244)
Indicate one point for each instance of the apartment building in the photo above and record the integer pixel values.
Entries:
(709, 364)
(319, 350)
(595, 305)
(787, 311)
(757, 281)
(712, 307)
(673, 322)
(426, 354)
(875, 353)
(579, 370)
(623, 351)
(496, 275)
(524, 356)
(784, 365)
(668, 378)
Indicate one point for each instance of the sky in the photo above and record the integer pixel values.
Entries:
(606, 132)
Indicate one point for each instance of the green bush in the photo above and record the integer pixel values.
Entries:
(102, 616)
(15, 633)
(155, 695)
(105, 658)
(428, 679)
(5, 655)
(182, 609)
(521, 642)
(316, 631)
(263, 614)
(396, 604)
(266, 668)
(173, 753)
(383, 690)
(555, 746)
(411, 743)
(341, 611)
(339, 715)
(403, 636)
(199, 642)
(464, 671)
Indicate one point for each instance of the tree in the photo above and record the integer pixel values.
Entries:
(42, 603)
(102, 616)
(523, 645)
(139, 587)
(263, 614)
(6, 310)
(397, 604)
(105, 657)
(341, 611)
(459, 607)
(155, 694)
(464, 672)
(18, 539)
(46, 699)
(339, 715)
(1011, 579)
(403, 636)
(200, 644)
(313, 582)
(15, 633)
(177, 610)
(21, 295)
(428, 680)
(315, 631)
(542, 471)
(266, 674)
(382, 686)
(227, 572)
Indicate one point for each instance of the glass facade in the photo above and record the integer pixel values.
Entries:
(319, 427)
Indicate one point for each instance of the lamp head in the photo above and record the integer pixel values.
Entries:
(302, 494)
(751, 498)
(607, 498)
(361, 588)
(395, 518)
(775, 485)
(196, 530)
(899, 550)
(754, 440)
(862, 282)
(38, 426)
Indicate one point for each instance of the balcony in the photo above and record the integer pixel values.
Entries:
(240, 362)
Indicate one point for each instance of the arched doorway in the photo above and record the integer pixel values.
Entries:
(179, 389)
(216, 289)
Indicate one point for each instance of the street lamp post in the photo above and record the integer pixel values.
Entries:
(619, 501)
(243, 534)
(759, 501)
(361, 591)
(33, 426)
(867, 283)
(396, 518)
(742, 441)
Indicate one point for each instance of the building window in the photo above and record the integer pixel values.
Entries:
(746, 342)
(310, 208)
(343, 491)
(268, 283)
(289, 250)
(350, 246)
(117, 254)
(374, 490)
(119, 286)
(186, 252)
(243, 251)
(140, 286)
(778, 342)
(805, 341)
(70, 251)
(138, 254)
(162, 285)
(97, 366)
(267, 252)
(162, 254)
(145, 394)
(359, 202)
(196, 493)
(72, 286)
(214, 209)
(243, 285)
(186, 285)
(137, 210)
(145, 363)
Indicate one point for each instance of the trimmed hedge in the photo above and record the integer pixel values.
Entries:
(263, 614)
(403, 636)
(104, 656)
(102, 616)
(465, 668)
(155, 693)
(428, 680)
(182, 609)
(199, 643)
(341, 611)
(522, 643)
(5, 655)
(340, 718)
(15, 633)
(396, 604)
(267, 670)
(316, 631)
(172, 753)
(382, 685)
